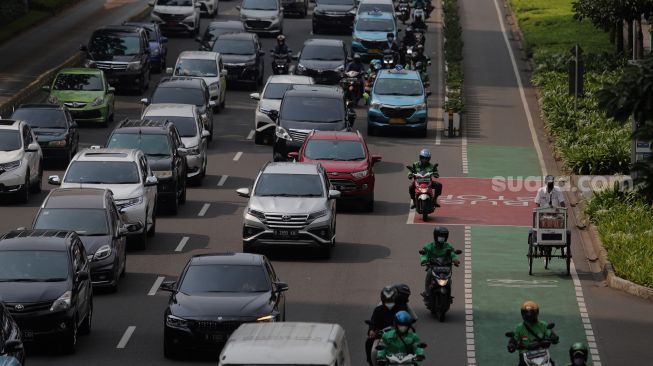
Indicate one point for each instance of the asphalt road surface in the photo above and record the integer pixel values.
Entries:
(375, 249)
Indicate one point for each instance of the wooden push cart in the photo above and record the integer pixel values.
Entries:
(549, 238)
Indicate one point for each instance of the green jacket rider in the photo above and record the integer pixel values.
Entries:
(524, 338)
(400, 339)
(423, 165)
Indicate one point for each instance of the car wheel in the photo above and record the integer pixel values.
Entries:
(69, 341)
(259, 138)
(85, 327)
(23, 193)
(370, 130)
(369, 203)
(152, 230)
(173, 206)
(36, 187)
(169, 350)
(182, 197)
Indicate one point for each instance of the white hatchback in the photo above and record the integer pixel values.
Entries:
(21, 160)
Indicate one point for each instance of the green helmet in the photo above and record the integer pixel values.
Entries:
(577, 351)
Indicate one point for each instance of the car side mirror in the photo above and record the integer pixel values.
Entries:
(243, 192)
(206, 134)
(398, 30)
(169, 70)
(168, 286)
(164, 39)
(199, 40)
(145, 101)
(182, 151)
(458, 251)
(281, 286)
(428, 93)
(83, 48)
(54, 180)
(151, 2)
(198, 5)
(32, 147)
(349, 59)
(13, 345)
(73, 124)
(123, 230)
(295, 57)
(294, 155)
(333, 194)
(151, 181)
(134, 227)
(376, 159)
(111, 90)
(261, 53)
(255, 96)
(82, 275)
(46, 88)
(238, 7)
(224, 72)
(212, 103)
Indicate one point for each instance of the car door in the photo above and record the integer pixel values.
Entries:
(150, 191)
(81, 288)
(280, 297)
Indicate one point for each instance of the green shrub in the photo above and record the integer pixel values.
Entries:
(453, 55)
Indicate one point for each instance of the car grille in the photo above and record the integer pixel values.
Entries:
(28, 307)
(297, 135)
(391, 112)
(373, 44)
(103, 65)
(208, 325)
(81, 114)
(323, 74)
(286, 221)
(343, 185)
(172, 17)
(258, 23)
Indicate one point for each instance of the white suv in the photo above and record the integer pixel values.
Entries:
(207, 66)
(209, 6)
(21, 160)
(126, 173)
(177, 15)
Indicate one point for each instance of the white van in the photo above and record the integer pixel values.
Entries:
(286, 343)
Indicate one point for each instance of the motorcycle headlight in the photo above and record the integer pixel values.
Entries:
(58, 143)
(97, 101)
(317, 214)
(176, 322)
(129, 202)
(442, 282)
(62, 303)
(258, 214)
(375, 105)
(301, 67)
(134, 66)
(53, 100)
(162, 174)
(420, 107)
(102, 253)
(281, 133)
(361, 174)
(10, 165)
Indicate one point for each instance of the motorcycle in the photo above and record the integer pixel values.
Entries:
(420, 38)
(439, 297)
(351, 84)
(280, 63)
(401, 358)
(389, 60)
(403, 11)
(537, 353)
(424, 193)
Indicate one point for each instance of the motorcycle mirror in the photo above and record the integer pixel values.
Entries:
(550, 325)
(510, 334)
(458, 251)
(422, 252)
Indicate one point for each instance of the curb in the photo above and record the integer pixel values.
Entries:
(46, 77)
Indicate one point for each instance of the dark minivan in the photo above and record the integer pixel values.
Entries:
(46, 285)
(323, 59)
(305, 108)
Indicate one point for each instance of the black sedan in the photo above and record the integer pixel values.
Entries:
(323, 59)
(334, 15)
(216, 293)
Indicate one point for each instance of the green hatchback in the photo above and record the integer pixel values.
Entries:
(85, 92)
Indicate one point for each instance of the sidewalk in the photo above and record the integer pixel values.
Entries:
(35, 51)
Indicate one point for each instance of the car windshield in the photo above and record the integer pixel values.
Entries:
(336, 2)
(367, 7)
(323, 53)
(102, 172)
(9, 140)
(393, 86)
(312, 109)
(334, 150)
(260, 4)
(375, 25)
(41, 118)
(175, 2)
(289, 185)
(79, 82)
(224, 278)
(33, 266)
(186, 126)
(109, 44)
(84, 221)
(152, 145)
(214, 32)
(275, 90)
(234, 47)
(195, 67)
(193, 96)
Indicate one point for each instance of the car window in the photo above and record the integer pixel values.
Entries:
(102, 172)
(335, 2)
(175, 95)
(224, 278)
(10, 140)
(84, 221)
(33, 265)
(260, 4)
(312, 109)
(78, 82)
(175, 2)
(375, 25)
(322, 53)
(371, 7)
(110, 44)
(276, 90)
(41, 117)
(334, 150)
(289, 185)
(394, 86)
(234, 46)
(196, 67)
(151, 145)
(187, 126)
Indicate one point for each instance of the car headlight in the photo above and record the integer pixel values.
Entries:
(265, 318)
(420, 107)
(375, 105)
(442, 282)
(301, 67)
(129, 202)
(189, 17)
(317, 214)
(162, 174)
(281, 133)
(97, 101)
(134, 66)
(53, 100)
(318, 11)
(195, 150)
(62, 303)
(340, 68)
(102, 253)
(58, 143)
(214, 86)
(361, 174)
(10, 165)
(258, 214)
(176, 322)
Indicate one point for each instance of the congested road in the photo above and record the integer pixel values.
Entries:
(372, 250)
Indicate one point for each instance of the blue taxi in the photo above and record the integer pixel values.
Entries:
(370, 33)
(398, 102)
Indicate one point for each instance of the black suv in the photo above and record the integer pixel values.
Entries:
(123, 52)
(334, 15)
(46, 286)
(242, 57)
(54, 127)
(323, 59)
(161, 143)
(305, 108)
(11, 343)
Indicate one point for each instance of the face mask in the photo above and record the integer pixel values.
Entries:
(402, 328)
(389, 305)
(549, 186)
(390, 39)
(440, 240)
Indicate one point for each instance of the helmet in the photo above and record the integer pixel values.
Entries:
(281, 38)
(390, 34)
(403, 318)
(425, 153)
(440, 232)
(357, 56)
(578, 351)
(403, 293)
(529, 311)
(420, 47)
(549, 179)
(409, 29)
(388, 294)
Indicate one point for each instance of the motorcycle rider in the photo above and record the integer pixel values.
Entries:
(408, 40)
(578, 354)
(281, 49)
(418, 21)
(438, 248)
(529, 331)
(392, 45)
(424, 165)
(357, 65)
(400, 339)
(550, 195)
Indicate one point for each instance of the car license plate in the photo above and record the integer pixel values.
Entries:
(215, 337)
(286, 233)
(397, 121)
(374, 50)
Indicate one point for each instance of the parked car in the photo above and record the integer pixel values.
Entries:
(93, 215)
(323, 59)
(54, 127)
(21, 160)
(207, 66)
(333, 15)
(305, 108)
(242, 56)
(46, 286)
(398, 102)
(176, 15)
(85, 92)
(215, 294)
(185, 90)
(193, 136)
(290, 203)
(126, 173)
(11, 342)
(165, 152)
(123, 53)
(347, 161)
(269, 100)
(371, 33)
(262, 16)
(158, 44)
(216, 29)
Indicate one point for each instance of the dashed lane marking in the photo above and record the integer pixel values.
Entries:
(204, 209)
(125, 337)
(250, 135)
(182, 244)
(156, 285)
(238, 155)
(464, 152)
(469, 308)
(222, 180)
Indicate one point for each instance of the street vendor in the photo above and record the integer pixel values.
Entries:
(550, 195)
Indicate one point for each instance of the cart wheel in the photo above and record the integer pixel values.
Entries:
(530, 259)
(568, 259)
(547, 257)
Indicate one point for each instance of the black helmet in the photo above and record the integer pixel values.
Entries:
(440, 232)
(390, 34)
(403, 293)
(529, 311)
(388, 294)
(281, 38)
(578, 353)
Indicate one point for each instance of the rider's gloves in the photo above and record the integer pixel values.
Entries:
(555, 339)
(419, 358)
(410, 175)
(422, 263)
(511, 348)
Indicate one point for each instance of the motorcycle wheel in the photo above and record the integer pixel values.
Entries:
(425, 216)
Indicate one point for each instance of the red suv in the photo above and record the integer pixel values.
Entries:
(345, 157)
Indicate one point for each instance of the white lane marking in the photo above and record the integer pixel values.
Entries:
(125, 337)
(156, 285)
(251, 135)
(469, 308)
(204, 209)
(238, 155)
(464, 152)
(438, 132)
(182, 244)
(411, 214)
(222, 180)
(589, 333)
